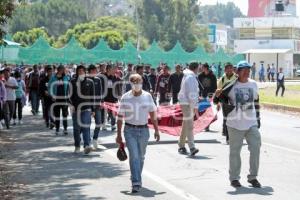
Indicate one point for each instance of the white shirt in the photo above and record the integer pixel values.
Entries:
(242, 96)
(189, 90)
(136, 109)
(11, 93)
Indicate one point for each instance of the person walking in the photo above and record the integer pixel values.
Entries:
(114, 91)
(98, 99)
(253, 71)
(174, 84)
(188, 99)
(136, 131)
(33, 86)
(20, 95)
(243, 121)
(83, 104)
(280, 82)
(161, 87)
(207, 84)
(46, 98)
(273, 72)
(227, 79)
(58, 90)
(2, 96)
(9, 107)
(262, 73)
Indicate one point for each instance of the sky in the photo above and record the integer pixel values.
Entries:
(242, 4)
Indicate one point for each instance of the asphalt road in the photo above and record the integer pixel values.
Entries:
(47, 167)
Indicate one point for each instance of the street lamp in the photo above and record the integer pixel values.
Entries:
(138, 31)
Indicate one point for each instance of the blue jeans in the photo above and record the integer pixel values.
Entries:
(136, 141)
(35, 100)
(82, 125)
(112, 118)
(98, 122)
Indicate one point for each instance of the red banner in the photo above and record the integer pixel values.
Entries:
(170, 118)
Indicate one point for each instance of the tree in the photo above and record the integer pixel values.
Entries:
(6, 10)
(27, 38)
(219, 13)
(56, 16)
(114, 30)
(169, 21)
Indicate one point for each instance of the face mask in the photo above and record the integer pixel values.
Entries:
(136, 87)
(81, 77)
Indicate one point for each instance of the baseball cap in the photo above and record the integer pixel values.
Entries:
(243, 64)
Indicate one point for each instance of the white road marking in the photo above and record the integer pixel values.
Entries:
(281, 148)
(179, 192)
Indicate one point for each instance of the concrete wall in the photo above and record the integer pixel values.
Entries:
(244, 45)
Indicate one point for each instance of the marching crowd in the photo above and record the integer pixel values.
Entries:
(80, 91)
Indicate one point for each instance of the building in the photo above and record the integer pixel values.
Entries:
(217, 36)
(270, 34)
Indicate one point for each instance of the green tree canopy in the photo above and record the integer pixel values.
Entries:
(219, 13)
(56, 16)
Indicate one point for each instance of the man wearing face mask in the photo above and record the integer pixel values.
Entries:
(81, 95)
(135, 106)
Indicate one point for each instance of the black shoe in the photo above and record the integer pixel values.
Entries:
(194, 151)
(236, 184)
(182, 150)
(65, 132)
(135, 189)
(51, 126)
(47, 125)
(255, 183)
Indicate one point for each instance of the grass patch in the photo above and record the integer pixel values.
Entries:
(291, 96)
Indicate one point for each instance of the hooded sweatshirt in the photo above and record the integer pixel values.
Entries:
(189, 89)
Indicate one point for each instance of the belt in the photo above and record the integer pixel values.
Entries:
(136, 126)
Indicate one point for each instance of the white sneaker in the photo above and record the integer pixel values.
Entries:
(77, 150)
(20, 122)
(1, 127)
(2, 122)
(95, 144)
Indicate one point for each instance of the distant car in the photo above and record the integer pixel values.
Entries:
(297, 73)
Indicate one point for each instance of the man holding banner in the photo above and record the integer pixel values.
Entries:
(188, 100)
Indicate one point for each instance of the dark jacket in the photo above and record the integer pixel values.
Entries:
(152, 80)
(227, 106)
(44, 88)
(146, 84)
(162, 83)
(207, 84)
(114, 93)
(280, 82)
(99, 90)
(175, 83)
(86, 95)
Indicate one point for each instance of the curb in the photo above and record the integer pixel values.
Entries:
(280, 107)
